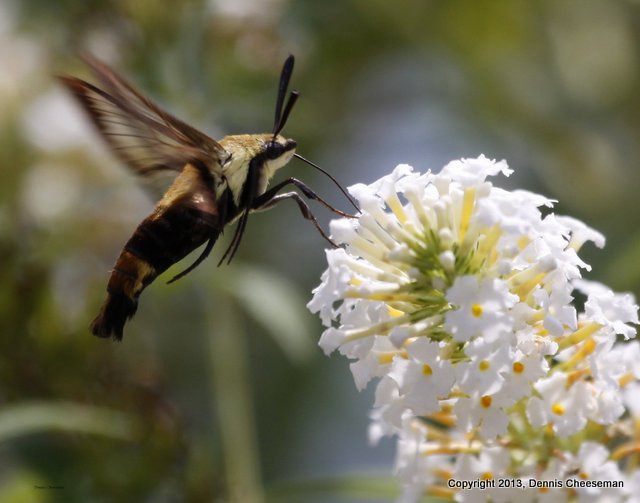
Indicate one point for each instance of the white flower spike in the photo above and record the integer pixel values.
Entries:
(457, 296)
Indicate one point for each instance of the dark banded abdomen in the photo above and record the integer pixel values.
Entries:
(162, 239)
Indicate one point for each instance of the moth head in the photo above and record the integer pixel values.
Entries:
(278, 148)
(273, 152)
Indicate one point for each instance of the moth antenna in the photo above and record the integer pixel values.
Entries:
(313, 165)
(285, 77)
(293, 97)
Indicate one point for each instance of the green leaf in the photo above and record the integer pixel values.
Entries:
(27, 418)
(277, 305)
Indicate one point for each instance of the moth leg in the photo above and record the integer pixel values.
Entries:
(308, 192)
(203, 255)
(302, 205)
(235, 241)
(248, 191)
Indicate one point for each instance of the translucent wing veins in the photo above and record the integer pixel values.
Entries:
(144, 136)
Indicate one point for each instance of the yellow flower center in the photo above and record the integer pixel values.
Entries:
(558, 409)
(485, 401)
(518, 368)
(427, 370)
(484, 365)
(476, 310)
(385, 358)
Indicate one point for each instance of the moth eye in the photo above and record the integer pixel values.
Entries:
(274, 150)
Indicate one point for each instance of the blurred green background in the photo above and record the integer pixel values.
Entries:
(218, 392)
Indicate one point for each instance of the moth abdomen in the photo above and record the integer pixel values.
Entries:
(162, 239)
(128, 278)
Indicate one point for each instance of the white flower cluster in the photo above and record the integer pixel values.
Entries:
(461, 299)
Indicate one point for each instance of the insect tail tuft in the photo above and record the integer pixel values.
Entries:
(115, 311)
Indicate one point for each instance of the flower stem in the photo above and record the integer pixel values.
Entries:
(231, 396)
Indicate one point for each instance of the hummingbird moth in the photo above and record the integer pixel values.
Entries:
(213, 183)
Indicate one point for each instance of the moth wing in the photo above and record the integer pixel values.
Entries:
(149, 140)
